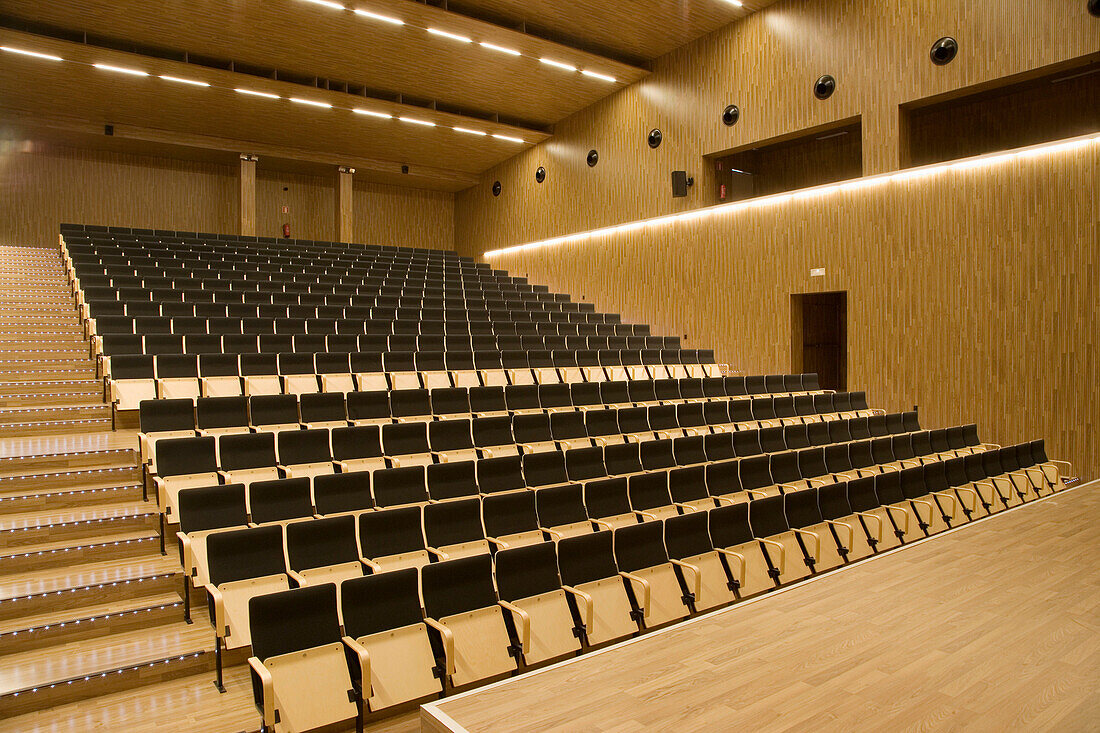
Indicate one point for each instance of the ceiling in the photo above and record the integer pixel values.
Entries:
(470, 65)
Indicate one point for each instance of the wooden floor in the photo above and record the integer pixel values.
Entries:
(994, 627)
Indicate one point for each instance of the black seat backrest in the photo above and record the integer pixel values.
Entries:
(381, 602)
(212, 507)
(250, 450)
(240, 554)
(526, 572)
(221, 412)
(396, 486)
(587, 558)
(688, 483)
(276, 409)
(335, 493)
(560, 505)
(888, 488)
(491, 431)
(606, 498)
(544, 469)
(801, 508)
(640, 546)
(156, 416)
(296, 447)
(729, 525)
(686, 535)
(657, 454)
(766, 516)
(391, 532)
(622, 458)
(649, 490)
(405, 438)
(532, 428)
(451, 480)
(458, 586)
(372, 405)
(453, 522)
(183, 456)
(832, 501)
(321, 542)
(293, 620)
(450, 435)
(500, 474)
(582, 464)
(279, 500)
(688, 450)
(510, 513)
(360, 441)
(323, 407)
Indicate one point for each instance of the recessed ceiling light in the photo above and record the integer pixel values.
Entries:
(35, 54)
(121, 70)
(257, 94)
(594, 75)
(501, 49)
(310, 102)
(192, 82)
(327, 4)
(376, 16)
(468, 131)
(736, 3)
(452, 36)
(509, 139)
(415, 121)
(372, 113)
(558, 64)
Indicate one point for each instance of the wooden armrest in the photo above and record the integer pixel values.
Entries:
(697, 575)
(488, 453)
(740, 563)
(395, 462)
(648, 515)
(554, 534)
(1056, 462)
(645, 590)
(438, 553)
(816, 554)
(588, 612)
(725, 501)
(818, 482)
(374, 567)
(185, 554)
(220, 628)
(782, 553)
(448, 644)
(297, 577)
(364, 665)
(601, 523)
(851, 532)
(501, 544)
(268, 685)
(685, 507)
(949, 497)
(524, 622)
(904, 514)
(756, 493)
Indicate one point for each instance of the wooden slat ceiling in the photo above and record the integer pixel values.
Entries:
(635, 32)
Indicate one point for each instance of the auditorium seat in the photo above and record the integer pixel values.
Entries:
(905, 520)
(163, 419)
(323, 410)
(818, 540)
(358, 448)
(222, 415)
(391, 539)
(279, 501)
(382, 614)
(530, 589)
(178, 377)
(260, 374)
(399, 486)
(655, 587)
(848, 530)
(703, 570)
(649, 496)
(304, 453)
(461, 605)
(247, 458)
(203, 511)
(323, 551)
(598, 595)
(733, 538)
(219, 375)
(511, 519)
(183, 463)
(301, 679)
(132, 379)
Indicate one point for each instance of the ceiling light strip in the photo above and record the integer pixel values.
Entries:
(882, 179)
(180, 80)
(452, 36)
(372, 113)
(500, 49)
(557, 64)
(468, 131)
(377, 16)
(121, 70)
(254, 93)
(32, 54)
(310, 102)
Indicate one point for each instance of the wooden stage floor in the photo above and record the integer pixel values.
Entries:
(993, 627)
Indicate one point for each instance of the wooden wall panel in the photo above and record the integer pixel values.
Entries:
(973, 294)
(41, 186)
(403, 216)
(766, 64)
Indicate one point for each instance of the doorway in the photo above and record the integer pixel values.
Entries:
(819, 337)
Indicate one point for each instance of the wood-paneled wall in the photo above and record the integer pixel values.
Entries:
(42, 185)
(974, 294)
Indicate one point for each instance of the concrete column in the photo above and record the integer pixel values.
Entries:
(247, 195)
(345, 215)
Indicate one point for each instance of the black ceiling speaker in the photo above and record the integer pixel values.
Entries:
(655, 138)
(730, 115)
(824, 87)
(540, 174)
(496, 188)
(593, 158)
(1094, 7)
(944, 51)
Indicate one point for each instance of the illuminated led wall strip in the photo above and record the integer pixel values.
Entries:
(909, 174)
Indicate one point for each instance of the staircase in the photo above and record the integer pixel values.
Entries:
(88, 604)
(47, 380)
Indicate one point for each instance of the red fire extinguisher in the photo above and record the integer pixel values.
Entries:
(286, 230)
(722, 192)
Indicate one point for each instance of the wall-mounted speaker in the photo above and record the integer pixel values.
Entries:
(730, 115)
(680, 183)
(944, 51)
(824, 87)
(108, 129)
(654, 139)
(592, 159)
(540, 174)
(496, 188)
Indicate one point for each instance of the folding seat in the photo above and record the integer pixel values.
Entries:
(452, 440)
(655, 586)
(615, 394)
(690, 419)
(460, 364)
(399, 486)
(488, 401)
(662, 420)
(896, 509)
(510, 519)
(493, 436)
(324, 410)
(780, 543)
(667, 391)
(874, 519)
(827, 542)
(462, 606)
(323, 551)
(334, 371)
(863, 460)
(719, 447)
(392, 539)
(342, 493)
(247, 458)
(582, 464)
(274, 413)
(383, 619)
(568, 430)
(598, 595)
(608, 504)
(149, 325)
(588, 360)
(369, 375)
(544, 469)
(585, 396)
(260, 373)
(406, 444)
(203, 511)
(1003, 484)
(755, 474)
(1051, 468)
(132, 380)
(522, 399)
(448, 402)
(656, 454)
(182, 463)
(163, 343)
(433, 369)
(222, 415)
(369, 408)
(177, 376)
(163, 419)
(603, 427)
(650, 498)
(280, 501)
(775, 384)
(401, 369)
(555, 397)
(689, 450)
(642, 392)
(500, 475)
(453, 529)
(304, 453)
(531, 433)
(244, 564)
(243, 344)
(623, 459)
(490, 367)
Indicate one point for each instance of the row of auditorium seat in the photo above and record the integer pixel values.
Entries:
(464, 621)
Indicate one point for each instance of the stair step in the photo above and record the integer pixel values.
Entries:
(107, 493)
(45, 447)
(71, 479)
(59, 553)
(89, 622)
(28, 528)
(70, 386)
(51, 400)
(17, 415)
(77, 670)
(106, 581)
(61, 461)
